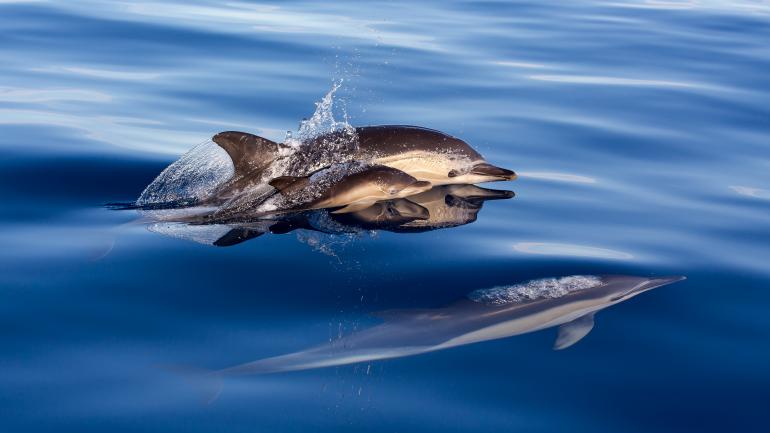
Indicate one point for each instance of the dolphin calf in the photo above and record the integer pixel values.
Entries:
(568, 303)
(353, 192)
(344, 187)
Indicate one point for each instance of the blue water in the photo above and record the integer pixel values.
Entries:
(639, 130)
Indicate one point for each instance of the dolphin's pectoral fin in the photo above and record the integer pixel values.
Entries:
(247, 151)
(572, 332)
(289, 184)
(236, 236)
(353, 207)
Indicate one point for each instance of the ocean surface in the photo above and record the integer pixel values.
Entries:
(640, 131)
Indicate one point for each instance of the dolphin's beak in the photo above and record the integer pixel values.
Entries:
(654, 283)
(662, 281)
(486, 169)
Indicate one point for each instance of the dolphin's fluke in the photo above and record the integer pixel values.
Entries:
(247, 151)
(572, 332)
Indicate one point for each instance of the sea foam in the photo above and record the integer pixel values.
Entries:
(534, 289)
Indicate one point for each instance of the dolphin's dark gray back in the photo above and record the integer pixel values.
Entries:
(395, 139)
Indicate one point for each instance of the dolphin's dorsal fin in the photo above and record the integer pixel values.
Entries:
(571, 332)
(247, 151)
(289, 184)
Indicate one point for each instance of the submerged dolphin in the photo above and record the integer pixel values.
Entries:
(568, 302)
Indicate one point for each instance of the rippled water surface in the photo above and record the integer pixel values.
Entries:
(639, 131)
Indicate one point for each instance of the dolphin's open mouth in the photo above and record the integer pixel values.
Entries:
(486, 169)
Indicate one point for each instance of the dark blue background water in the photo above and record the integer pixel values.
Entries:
(640, 130)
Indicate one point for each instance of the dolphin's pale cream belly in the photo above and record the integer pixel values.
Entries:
(534, 322)
(430, 166)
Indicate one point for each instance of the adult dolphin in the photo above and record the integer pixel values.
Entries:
(423, 153)
(568, 302)
(347, 187)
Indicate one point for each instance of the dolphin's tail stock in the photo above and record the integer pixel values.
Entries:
(209, 383)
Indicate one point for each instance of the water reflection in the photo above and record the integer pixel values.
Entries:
(489, 314)
(441, 207)
(571, 250)
(751, 191)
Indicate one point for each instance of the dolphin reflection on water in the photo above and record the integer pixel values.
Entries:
(440, 207)
(568, 303)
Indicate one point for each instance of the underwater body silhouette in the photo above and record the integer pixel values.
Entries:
(569, 303)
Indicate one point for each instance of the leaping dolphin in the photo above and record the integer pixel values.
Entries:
(568, 302)
(423, 153)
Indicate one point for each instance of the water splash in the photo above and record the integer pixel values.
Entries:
(322, 121)
(191, 178)
(546, 288)
(319, 142)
